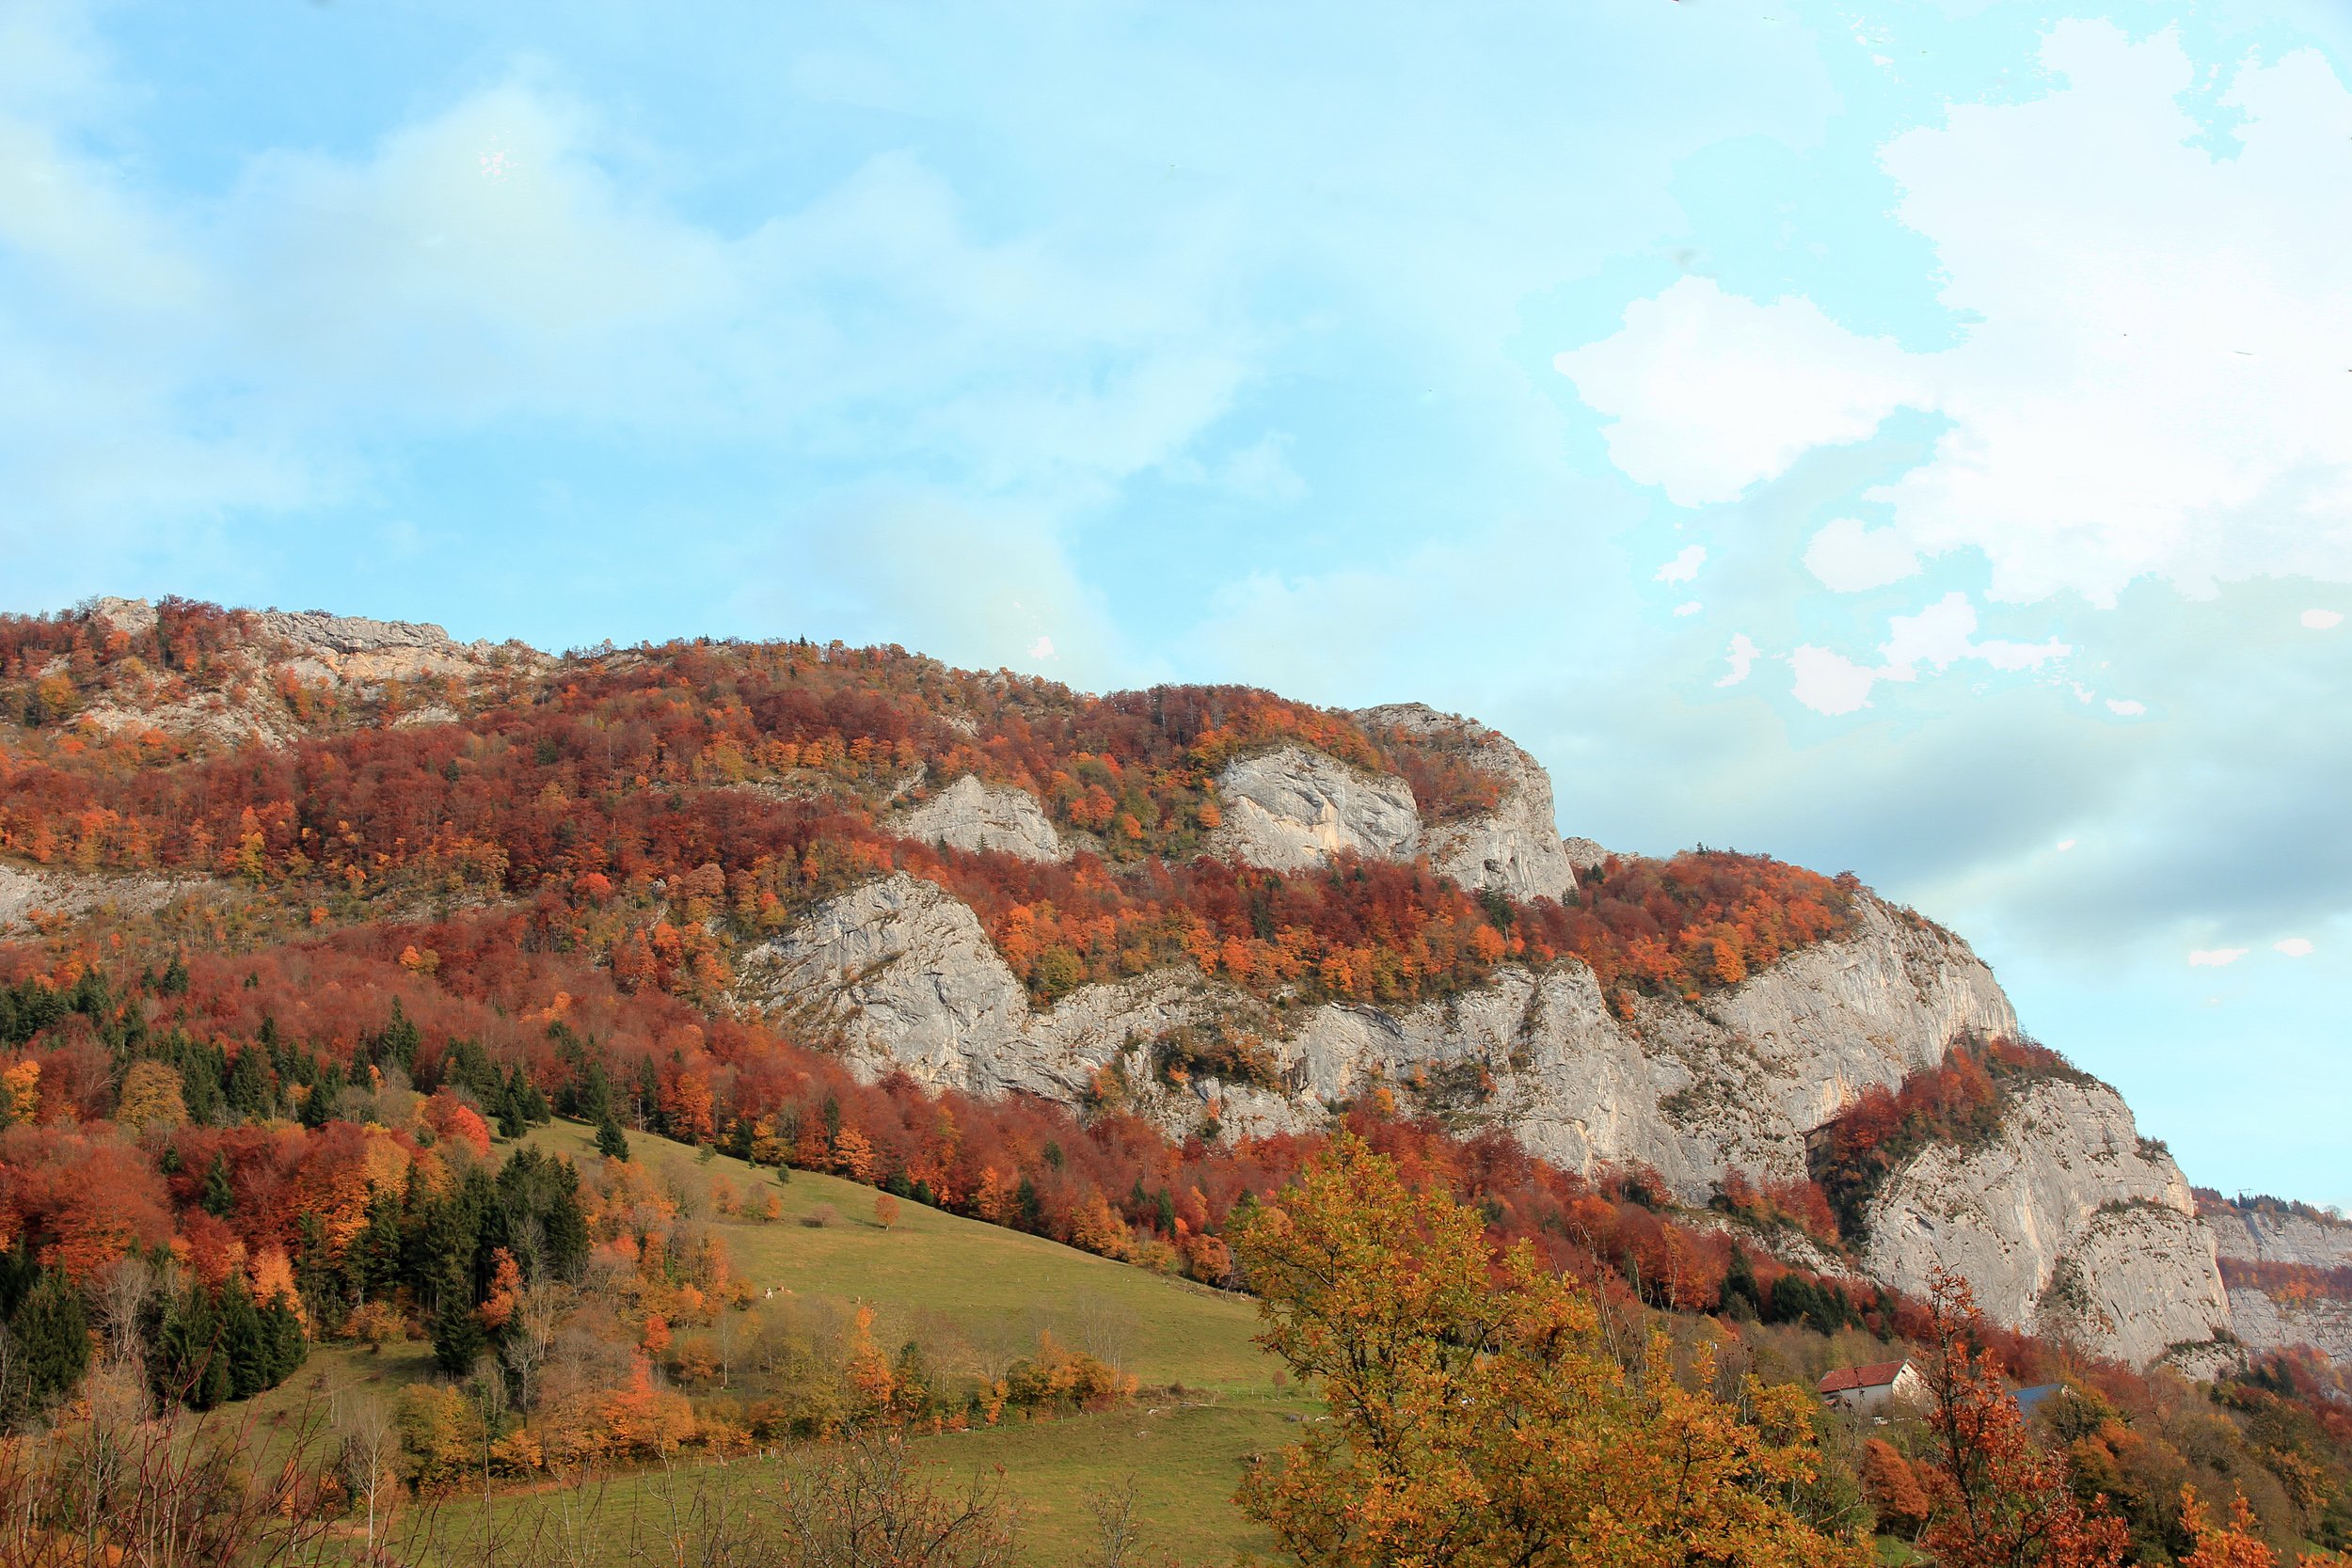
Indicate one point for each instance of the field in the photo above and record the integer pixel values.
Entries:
(970, 1292)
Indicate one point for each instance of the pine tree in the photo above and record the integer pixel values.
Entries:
(372, 1262)
(189, 1364)
(649, 1116)
(249, 1092)
(458, 1339)
(243, 1344)
(396, 1046)
(564, 1229)
(1742, 1298)
(611, 1142)
(52, 1333)
(288, 1346)
(219, 1199)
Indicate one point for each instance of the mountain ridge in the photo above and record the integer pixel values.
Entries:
(1705, 1051)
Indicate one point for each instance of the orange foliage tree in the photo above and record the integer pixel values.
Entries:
(1477, 1418)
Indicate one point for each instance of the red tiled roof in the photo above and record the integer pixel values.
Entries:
(1876, 1376)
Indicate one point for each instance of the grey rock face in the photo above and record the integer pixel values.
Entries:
(2266, 1324)
(129, 616)
(1514, 848)
(969, 815)
(901, 975)
(2262, 1236)
(1583, 854)
(1297, 807)
(348, 634)
(2065, 1223)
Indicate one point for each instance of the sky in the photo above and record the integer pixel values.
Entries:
(1913, 440)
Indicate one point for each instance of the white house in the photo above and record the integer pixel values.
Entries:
(1874, 1388)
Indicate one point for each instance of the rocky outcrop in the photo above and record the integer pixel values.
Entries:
(900, 976)
(1584, 855)
(2271, 1312)
(2268, 1323)
(2279, 1236)
(2067, 1222)
(348, 634)
(969, 815)
(130, 617)
(1691, 1092)
(351, 653)
(1516, 848)
(1297, 807)
(27, 896)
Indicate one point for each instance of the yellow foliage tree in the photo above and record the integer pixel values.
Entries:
(152, 1098)
(1477, 1417)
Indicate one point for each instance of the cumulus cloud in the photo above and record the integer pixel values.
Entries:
(1847, 556)
(1685, 566)
(1829, 682)
(2125, 707)
(2214, 958)
(1709, 393)
(1689, 607)
(2142, 386)
(2323, 620)
(1741, 659)
(1937, 637)
(2293, 948)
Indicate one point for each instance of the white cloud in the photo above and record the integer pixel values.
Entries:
(1710, 393)
(2144, 384)
(1847, 556)
(2214, 958)
(1741, 658)
(2065, 844)
(2126, 707)
(1828, 682)
(2293, 948)
(1689, 607)
(1042, 648)
(2323, 620)
(1685, 566)
(1944, 633)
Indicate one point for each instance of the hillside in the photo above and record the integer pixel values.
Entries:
(1219, 912)
(974, 1296)
(493, 1032)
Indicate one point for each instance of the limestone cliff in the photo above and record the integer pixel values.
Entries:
(2265, 1323)
(342, 653)
(969, 815)
(1295, 807)
(2279, 1313)
(2268, 1235)
(2067, 1213)
(2067, 1223)
(1514, 848)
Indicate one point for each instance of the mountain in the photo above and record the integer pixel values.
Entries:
(1226, 913)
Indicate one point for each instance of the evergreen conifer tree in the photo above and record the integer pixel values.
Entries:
(52, 1334)
(243, 1342)
(611, 1142)
(219, 1199)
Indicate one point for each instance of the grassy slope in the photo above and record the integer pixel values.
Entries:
(935, 1274)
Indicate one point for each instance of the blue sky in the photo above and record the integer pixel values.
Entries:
(1915, 440)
